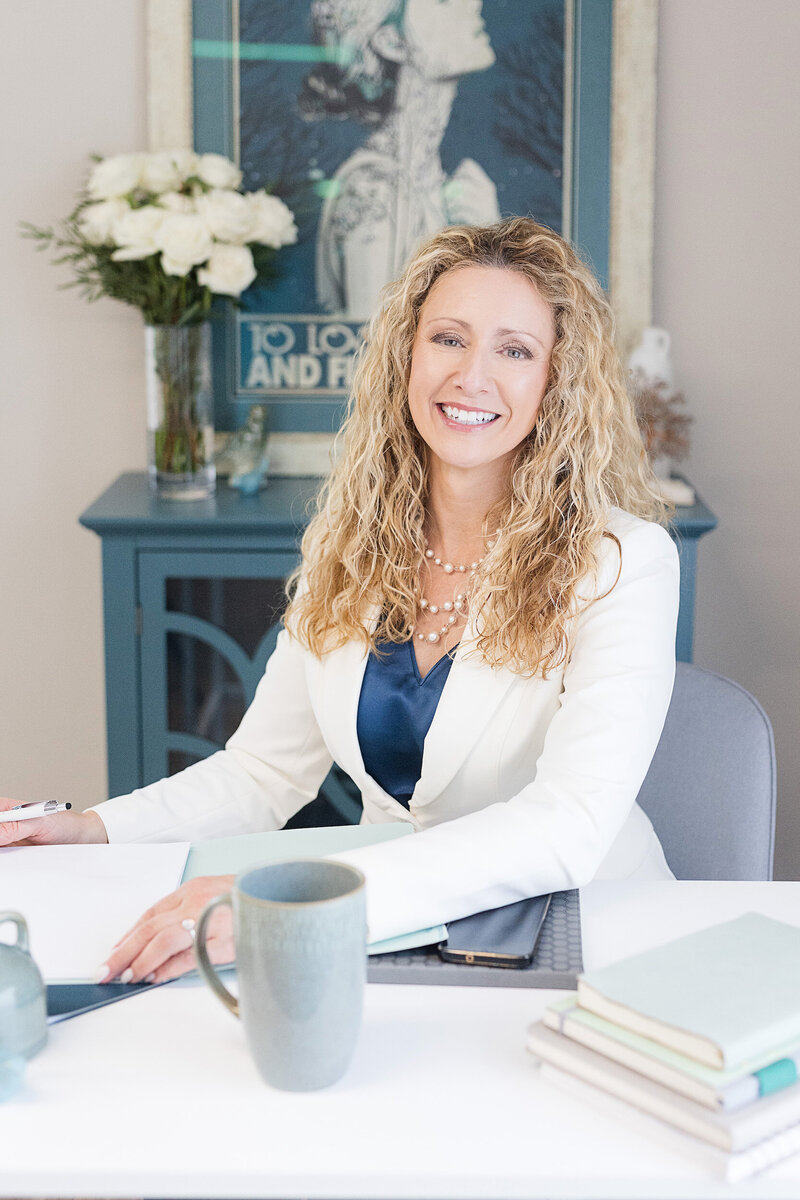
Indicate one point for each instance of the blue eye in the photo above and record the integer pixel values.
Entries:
(517, 352)
(446, 339)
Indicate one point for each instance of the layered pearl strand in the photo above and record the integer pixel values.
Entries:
(455, 608)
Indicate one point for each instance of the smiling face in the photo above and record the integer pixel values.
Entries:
(479, 369)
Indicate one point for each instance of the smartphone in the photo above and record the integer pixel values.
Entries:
(501, 937)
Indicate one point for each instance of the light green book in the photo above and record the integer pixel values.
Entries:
(231, 855)
(722, 1090)
(721, 996)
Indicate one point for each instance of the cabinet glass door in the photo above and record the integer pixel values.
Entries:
(209, 624)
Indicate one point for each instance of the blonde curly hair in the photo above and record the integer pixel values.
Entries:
(362, 550)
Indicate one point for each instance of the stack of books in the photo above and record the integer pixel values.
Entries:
(703, 1033)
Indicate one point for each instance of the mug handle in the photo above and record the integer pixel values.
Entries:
(22, 928)
(204, 962)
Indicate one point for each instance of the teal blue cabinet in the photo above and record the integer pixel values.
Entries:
(192, 598)
(689, 525)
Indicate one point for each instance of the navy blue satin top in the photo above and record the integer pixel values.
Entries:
(395, 710)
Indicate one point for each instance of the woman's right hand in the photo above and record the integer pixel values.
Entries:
(59, 829)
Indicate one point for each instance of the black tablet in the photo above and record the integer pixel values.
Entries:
(66, 1000)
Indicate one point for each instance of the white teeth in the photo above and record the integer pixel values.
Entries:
(467, 418)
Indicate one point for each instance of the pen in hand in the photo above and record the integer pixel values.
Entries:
(30, 812)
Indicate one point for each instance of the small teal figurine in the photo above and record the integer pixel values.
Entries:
(246, 453)
(23, 1007)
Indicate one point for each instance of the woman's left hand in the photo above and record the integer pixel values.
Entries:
(160, 945)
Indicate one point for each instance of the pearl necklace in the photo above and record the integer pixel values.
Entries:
(457, 606)
(449, 568)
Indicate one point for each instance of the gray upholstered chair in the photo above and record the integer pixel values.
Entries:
(710, 790)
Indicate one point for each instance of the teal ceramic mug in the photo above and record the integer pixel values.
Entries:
(301, 960)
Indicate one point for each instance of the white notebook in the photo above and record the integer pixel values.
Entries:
(79, 900)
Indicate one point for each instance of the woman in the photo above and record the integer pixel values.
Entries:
(396, 66)
(482, 630)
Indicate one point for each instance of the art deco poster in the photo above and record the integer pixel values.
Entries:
(378, 122)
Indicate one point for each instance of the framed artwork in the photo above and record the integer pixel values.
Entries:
(380, 121)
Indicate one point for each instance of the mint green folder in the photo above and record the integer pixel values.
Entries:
(231, 855)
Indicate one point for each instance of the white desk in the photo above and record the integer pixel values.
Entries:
(156, 1096)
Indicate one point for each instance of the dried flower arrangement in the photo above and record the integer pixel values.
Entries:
(663, 423)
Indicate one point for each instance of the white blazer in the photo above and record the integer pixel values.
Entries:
(527, 785)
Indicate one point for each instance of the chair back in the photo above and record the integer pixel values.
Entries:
(710, 791)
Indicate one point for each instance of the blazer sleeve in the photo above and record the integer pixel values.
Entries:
(555, 833)
(270, 768)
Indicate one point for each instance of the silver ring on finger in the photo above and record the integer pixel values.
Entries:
(189, 925)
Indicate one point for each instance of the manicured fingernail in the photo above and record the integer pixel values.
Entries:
(149, 978)
(100, 973)
(127, 975)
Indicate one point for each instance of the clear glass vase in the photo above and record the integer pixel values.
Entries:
(180, 412)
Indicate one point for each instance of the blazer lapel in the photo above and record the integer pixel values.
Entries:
(470, 698)
(342, 676)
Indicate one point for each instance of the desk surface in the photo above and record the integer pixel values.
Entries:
(156, 1096)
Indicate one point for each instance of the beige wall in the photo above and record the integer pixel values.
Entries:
(71, 408)
(727, 266)
(72, 404)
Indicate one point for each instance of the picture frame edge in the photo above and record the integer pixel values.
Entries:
(633, 133)
(168, 49)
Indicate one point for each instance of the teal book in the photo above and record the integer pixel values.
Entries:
(721, 996)
(231, 855)
(720, 1089)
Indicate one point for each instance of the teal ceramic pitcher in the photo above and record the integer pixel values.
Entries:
(23, 1008)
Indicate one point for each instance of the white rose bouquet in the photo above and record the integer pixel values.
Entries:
(167, 232)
